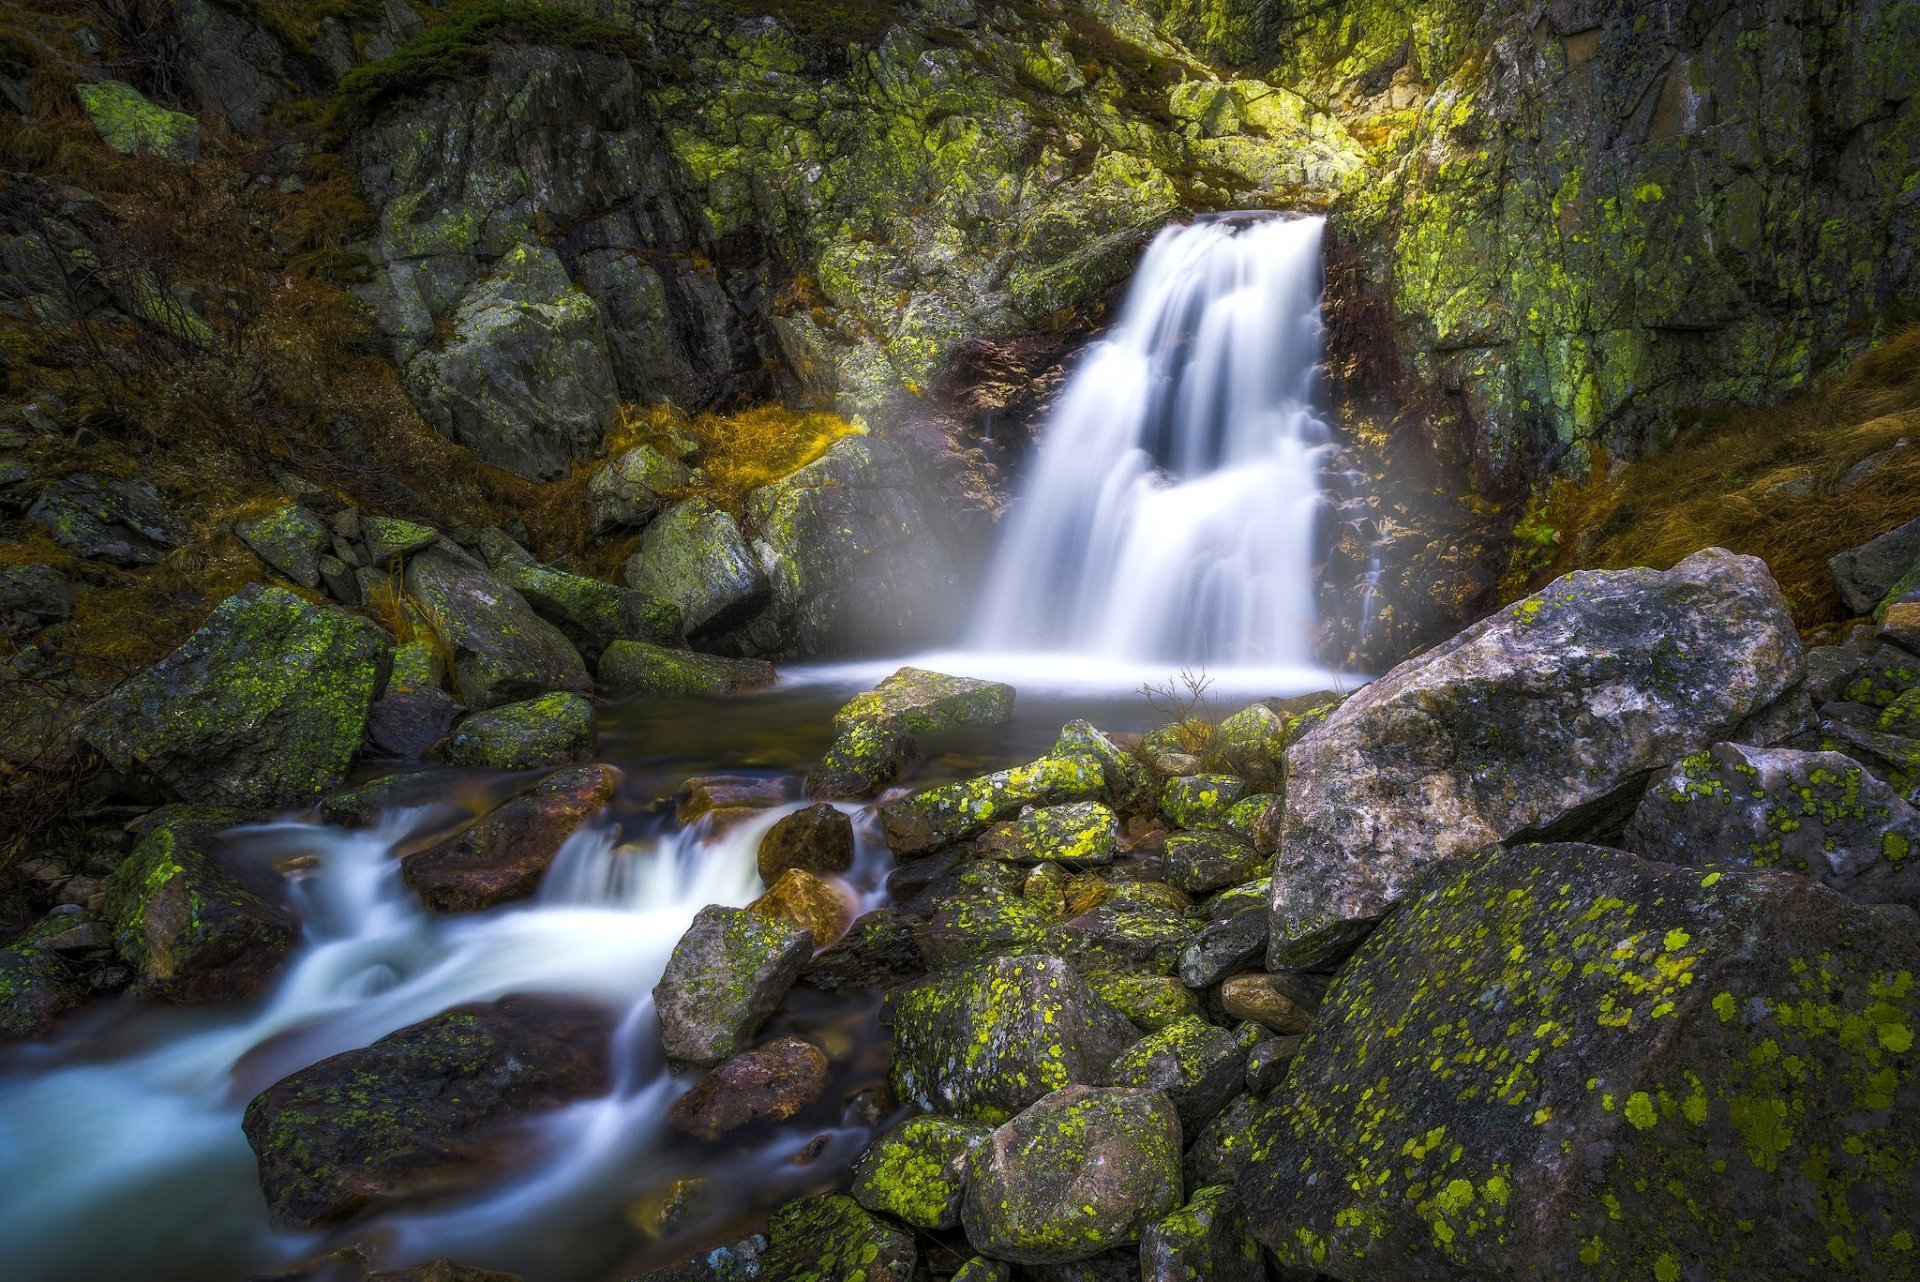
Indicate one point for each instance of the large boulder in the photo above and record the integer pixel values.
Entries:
(875, 730)
(694, 556)
(503, 855)
(264, 705)
(421, 1110)
(499, 650)
(1579, 1063)
(1549, 715)
(726, 975)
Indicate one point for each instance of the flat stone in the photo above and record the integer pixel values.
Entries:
(504, 855)
(770, 1083)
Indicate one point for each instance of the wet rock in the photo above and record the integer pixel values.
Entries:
(1224, 948)
(769, 1083)
(108, 519)
(694, 556)
(1207, 1240)
(1200, 801)
(1269, 1060)
(1150, 1002)
(1817, 813)
(553, 730)
(1129, 787)
(1127, 934)
(420, 1110)
(625, 491)
(504, 854)
(955, 812)
(38, 982)
(1866, 574)
(739, 1262)
(499, 650)
(34, 595)
(878, 951)
(875, 730)
(1724, 1030)
(363, 807)
(1283, 1002)
(1547, 715)
(835, 1239)
(985, 1042)
(727, 974)
(290, 539)
(263, 706)
(982, 921)
(1078, 1173)
(861, 760)
(414, 712)
(1078, 834)
(1196, 1065)
(809, 902)
(916, 1172)
(1200, 862)
(133, 125)
(728, 798)
(591, 614)
(981, 1269)
(817, 839)
(641, 668)
(443, 1270)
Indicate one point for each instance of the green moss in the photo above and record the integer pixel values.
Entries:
(134, 126)
(917, 1171)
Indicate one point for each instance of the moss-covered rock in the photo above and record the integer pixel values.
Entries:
(695, 556)
(817, 839)
(1078, 834)
(954, 812)
(642, 668)
(288, 538)
(553, 730)
(917, 1171)
(414, 712)
(835, 1239)
(1196, 1065)
(878, 951)
(626, 490)
(1129, 787)
(1708, 1071)
(133, 125)
(726, 975)
(978, 922)
(390, 537)
(809, 902)
(770, 1083)
(1200, 801)
(1880, 681)
(1151, 1002)
(1207, 1240)
(1269, 1060)
(1202, 862)
(498, 649)
(981, 1269)
(39, 981)
(875, 731)
(1128, 933)
(1235, 900)
(1253, 741)
(263, 705)
(592, 614)
(503, 855)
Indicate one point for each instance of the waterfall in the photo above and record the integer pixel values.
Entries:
(1171, 509)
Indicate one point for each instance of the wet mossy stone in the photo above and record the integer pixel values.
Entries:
(1683, 1065)
(1200, 801)
(809, 902)
(978, 922)
(106, 518)
(875, 730)
(917, 1171)
(134, 125)
(290, 539)
(264, 705)
(1521, 725)
(816, 839)
(770, 1083)
(1078, 834)
(1129, 787)
(984, 1042)
(1197, 1065)
(1207, 1240)
(389, 537)
(422, 1109)
(861, 760)
(38, 984)
(625, 490)
(1079, 1172)
(1816, 813)
(957, 811)
(554, 730)
(189, 923)
(725, 977)
(1225, 948)
(592, 614)
(1202, 862)
(1126, 933)
(642, 668)
(835, 1239)
(1150, 1002)
(878, 951)
(503, 855)
(498, 649)
(695, 556)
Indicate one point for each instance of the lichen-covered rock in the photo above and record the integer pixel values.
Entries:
(39, 981)
(422, 1109)
(1866, 574)
(694, 556)
(1079, 1172)
(769, 1083)
(1125, 932)
(626, 490)
(809, 902)
(388, 537)
(1235, 900)
(414, 712)
(1151, 1002)
(1283, 1001)
(1200, 801)
(499, 650)
(816, 839)
(554, 730)
(1882, 678)
(642, 668)
(981, 1269)
(878, 951)
(861, 760)
(290, 539)
(954, 812)
(503, 855)
(1818, 813)
(1201, 862)
(1588, 1064)
(263, 705)
(1079, 834)
(1225, 948)
(108, 519)
(985, 1042)
(875, 731)
(1551, 711)
(1129, 787)
(1207, 1240)
(591, 614)
(977, 922)
(1269, 1060)
(1219, 1153)
(835, 1239)
(726, 975)
(133, 125)
(1196, 1065)
(917, 1171)
(1254, 741)
(190, 923)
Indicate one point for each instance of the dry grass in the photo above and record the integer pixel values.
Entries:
(742, 452)
(1780, 484)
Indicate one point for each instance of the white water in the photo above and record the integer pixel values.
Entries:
(1169, 513)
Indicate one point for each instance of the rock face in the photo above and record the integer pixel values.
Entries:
(262, 706)
(500, 649)
(504, 854)
(726, 975)
(1567, 1045)
(1550, 712)
(419, 1110)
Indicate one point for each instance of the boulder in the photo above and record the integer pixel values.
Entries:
(389, 538)
(591, 614)
(133, 125)
(1079, 1172)
(1817, 813)
(39, 981)
(816, 839)
(809, 902)
(1224, 948)
(917, 1171)
(553, 730)
(1882, 678)
(108, 519)
(694, 556)
(290, 539)
(262, 706)
(875, 731)
(1129, 787)
(627, 489)
(878, 951)
(422, 1110)
(1590, 1064)
(32, 595)
(643, 668)
(1207, 1240)
(1548, 715)
(727, 798)
(770, 1083)
(1128, 933)
(975, 922)
(498, 649)
(1078, 834)
(1200, 801)
(414, 712)
(503, 855)
(955, 812)
(1202, 862)
(985, 1042)
(1196, 1065)
(1865, 574)
(1253, 741)
(1150, 1002)
(835, 1239)
(726, 975)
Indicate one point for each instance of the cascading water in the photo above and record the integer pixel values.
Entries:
(1171, 510)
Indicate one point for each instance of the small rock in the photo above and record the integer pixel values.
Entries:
(1225, 948)
(1282, 1002)
(917, 1172)
(553, 730)
(290, 539)
(981, 1269)
(37, 984)
(1200, 801)
(1197, 1065)
(955, 812)
(817, 839)
(1127, 933)
(38, 594)
(1234, 900)
(1253, 741)
(835, 1239)
(505, 853)
(728, 798)
(593, 615)
(982, 921)
(1882, 678)
(414, 712)
(389, 537)
(1128, 785)
(641, 668)
(769, 1083)
(1206, 1240)
(107, 519)
(808, 902)
(626, 490)
(1075, 835)
(725, 977)
(1151, 1002)
(1268, 1061)
(878, 951)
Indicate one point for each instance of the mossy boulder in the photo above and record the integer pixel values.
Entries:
(290, 539)
(1079, 1172)
(977, 922)
(134, 125)
(835, 1239)
(1882, 678)
(1207, 1240)
(553, 730)
(503, 855)
(816, 839)
(414, 712)
(498, 649)
(1202, 862)
(694, 555)
(1200, 801)
(642, 668)
(1127, 933)
(1078, 834)
(1196, 1065)
(770, 1083)
(917, 1171)
(1816, 813)
(1587, 1064)
(1129, 787)
(590, 613)
(809, 902)
(875, 731)
(39, 980)
(984, 1042)
(626, 490)
(1151, 1002)
(955, 812)
(878, 951)
(1551, 712)
(264, 705)
(390, 537)
(726, 975)
(421, 1110)
(1253, 741)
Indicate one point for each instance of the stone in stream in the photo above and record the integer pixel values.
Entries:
(727, 798)
(876, 730)
(262, 706)
(816, 839)
(499, 649)
(423, 1109)
(592, 614)
(414, 712)
(917, 1171)
(108, 519)
(770, 1083)
(1075, 835)
(1196, 1065)
(878, 951)
(40, 979)
(1817, 813)
(192, 926)
(288, 538)
(694, 556)
(809, 902)
(1201, 862)
(1548, 715)
(984, 1042)
(553, 730)
(1586, 1062)
(503, 855)
(643, 668)
(725, 977)
(835, 1239)
(1079, 1172)
(1207, 1240)
(955, 812)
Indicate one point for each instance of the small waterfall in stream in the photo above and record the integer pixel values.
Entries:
(1171, 509)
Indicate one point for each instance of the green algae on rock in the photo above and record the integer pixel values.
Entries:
(917, 1171)
(954, 812)
(1200, 801)
(1151, 1002)
(642, 668)
(554, 730)
(725, 977)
